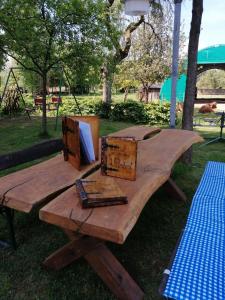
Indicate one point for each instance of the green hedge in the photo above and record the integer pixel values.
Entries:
(129, 111)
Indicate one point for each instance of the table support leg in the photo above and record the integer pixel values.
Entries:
(175, 192)
(102, 261)
(113, 274)
(9, 214)
(70, 252)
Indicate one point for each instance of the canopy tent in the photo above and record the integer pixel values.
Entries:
(209, 58)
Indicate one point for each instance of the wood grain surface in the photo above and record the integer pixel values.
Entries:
(119, 157)
(138, 132)
(155, 159)
(35, 185)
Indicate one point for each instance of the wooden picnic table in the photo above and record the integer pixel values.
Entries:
(34, 186)
(37, 185)
(89, 228)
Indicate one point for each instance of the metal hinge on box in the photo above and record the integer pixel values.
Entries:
(118, 157)
(105, 168)
(105, 145)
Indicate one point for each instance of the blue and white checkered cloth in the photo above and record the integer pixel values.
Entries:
(198, 270)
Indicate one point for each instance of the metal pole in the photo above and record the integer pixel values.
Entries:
(67, 78)
(60, 93)
(6, 84)
(19, 91)
(176, 37)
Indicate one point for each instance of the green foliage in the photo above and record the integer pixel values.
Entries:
(130, 111)
(103, 109)
(150, 55)
(40, 35)
(212, 79)
(35, 32)
(158, 113)
(139, 113)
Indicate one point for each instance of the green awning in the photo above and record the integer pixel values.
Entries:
(211, 55)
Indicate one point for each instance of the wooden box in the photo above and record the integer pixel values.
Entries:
(119, 157)
(71, 138)
(102, 192)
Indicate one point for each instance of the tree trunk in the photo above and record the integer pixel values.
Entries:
(141, 94)
(107, 85)
(44, 115)
(187, 121)
(146, 93)
(126, 94)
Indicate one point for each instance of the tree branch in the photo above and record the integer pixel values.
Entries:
(19, 62)
(123, 53)
(154, 33)
(110, 2)
(23, 46)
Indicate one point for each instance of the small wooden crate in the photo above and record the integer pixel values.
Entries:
(119, 157)
(71, 138)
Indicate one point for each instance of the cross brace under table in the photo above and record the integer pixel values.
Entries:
(104, 263)
(101, 259)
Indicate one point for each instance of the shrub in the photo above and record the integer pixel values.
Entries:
(103, 109)
(158, 113)
(129, 111)
(140, 113)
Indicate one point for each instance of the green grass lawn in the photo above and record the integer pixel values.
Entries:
(145, 253)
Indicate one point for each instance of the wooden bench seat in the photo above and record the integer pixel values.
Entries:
(197, 270)
(40, 183)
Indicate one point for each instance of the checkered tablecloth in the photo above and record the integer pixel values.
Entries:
(198, 270)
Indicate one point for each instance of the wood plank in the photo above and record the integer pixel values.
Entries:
(138, 132)
(174, 191)
(119, 157)
(70, 252)
(113, 274)
(38, 184)
(156, 157)
(94, 122)
(34, 152)
(71, 138)
(209, 100)
(101, 260)
(71, 141)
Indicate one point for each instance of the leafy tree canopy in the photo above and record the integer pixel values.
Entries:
(149, 60)
(40, 33)
(212, 79)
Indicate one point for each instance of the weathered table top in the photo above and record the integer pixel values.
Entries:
(36, 185)
(138, 132)
(155, 159)
(32, 186)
